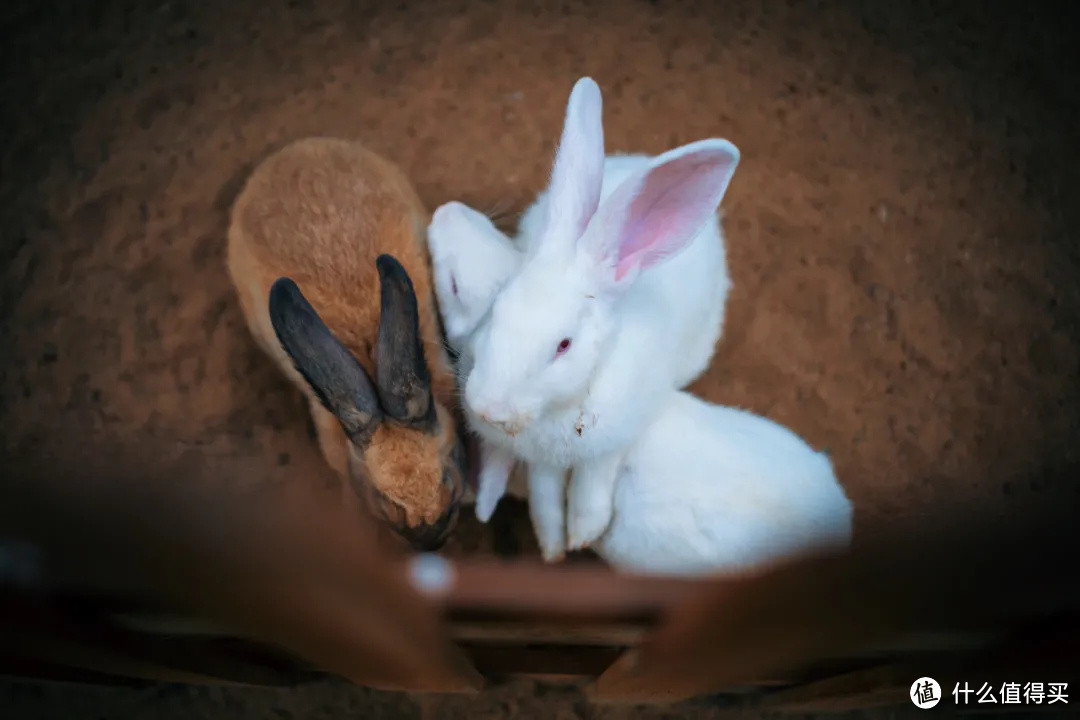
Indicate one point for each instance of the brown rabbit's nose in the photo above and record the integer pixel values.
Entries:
(428, 538)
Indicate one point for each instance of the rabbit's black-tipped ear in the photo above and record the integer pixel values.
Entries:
(336, 377)
(402, 374)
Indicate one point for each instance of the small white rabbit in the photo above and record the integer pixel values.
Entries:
(471, 261)
(704, 489)
(619, 299)
(714, 489)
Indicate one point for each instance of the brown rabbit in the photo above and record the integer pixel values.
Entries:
(345, 226)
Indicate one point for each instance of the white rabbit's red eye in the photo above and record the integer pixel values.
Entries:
(563, 347)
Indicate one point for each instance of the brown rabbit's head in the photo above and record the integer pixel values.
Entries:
(406, 459)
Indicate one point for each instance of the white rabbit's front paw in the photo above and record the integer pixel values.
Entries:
(585, 526)
(550, 527)
(552, 546)
(591, 501)
(493, 476)
(547, 492)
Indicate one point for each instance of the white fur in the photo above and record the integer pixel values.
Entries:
(471, 261)
(704, 489)
(468, 252)
(641, 324)
(470, 255)
(713, 489)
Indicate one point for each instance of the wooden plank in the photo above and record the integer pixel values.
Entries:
(530, 589)
(540, 633)
(1035, 652)
(882, 598)
(873, 687)
(284, 560)
(292, 565)
(21, 668)
(35, 629)
(550, 662)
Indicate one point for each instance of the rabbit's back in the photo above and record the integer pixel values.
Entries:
(710, 488)
(320, 211)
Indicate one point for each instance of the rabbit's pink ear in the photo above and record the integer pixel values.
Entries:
(654, 215)
(576, 179)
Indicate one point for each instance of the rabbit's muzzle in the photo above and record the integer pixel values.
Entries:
(511, 425)
(423, 536)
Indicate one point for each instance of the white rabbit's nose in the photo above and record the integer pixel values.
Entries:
(503, 417)
(494, 413)
(512, 426)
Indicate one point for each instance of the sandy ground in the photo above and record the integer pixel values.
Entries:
(900, 231)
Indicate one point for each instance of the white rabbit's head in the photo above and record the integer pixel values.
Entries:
(471, 261)
(551, 323)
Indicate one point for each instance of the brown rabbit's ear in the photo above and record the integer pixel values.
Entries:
(338, 379)
(403, 380)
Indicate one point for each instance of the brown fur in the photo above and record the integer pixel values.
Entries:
(401, 462)
(321, 211)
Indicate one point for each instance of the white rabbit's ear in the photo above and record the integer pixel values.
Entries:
(578, 174)
(460, 234)
(653, 215)
(466, 243)
(471, 260)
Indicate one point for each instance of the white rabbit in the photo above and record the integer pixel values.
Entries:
(704, 489)
(471, 261)
(711, 489)
(616, 303)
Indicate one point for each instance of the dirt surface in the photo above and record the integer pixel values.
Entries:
(901, 230)
(332, 700)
